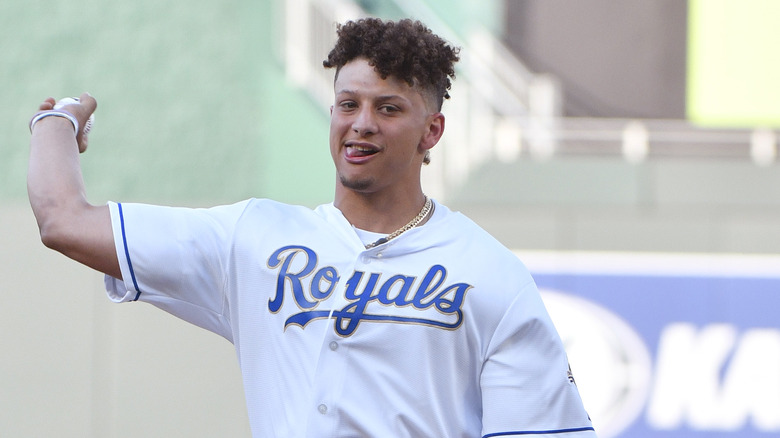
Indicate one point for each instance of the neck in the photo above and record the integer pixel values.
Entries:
(380, 213)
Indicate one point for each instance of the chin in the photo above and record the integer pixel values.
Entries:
(357, 184)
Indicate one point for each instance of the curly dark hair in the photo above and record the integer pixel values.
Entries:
(404, 49)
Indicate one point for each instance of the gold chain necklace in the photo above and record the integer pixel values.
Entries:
(413, 223)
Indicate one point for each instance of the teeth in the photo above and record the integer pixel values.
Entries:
(362, 149)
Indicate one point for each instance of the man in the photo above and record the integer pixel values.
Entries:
(382, 314)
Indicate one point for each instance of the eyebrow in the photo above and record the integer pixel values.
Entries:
(381, 98)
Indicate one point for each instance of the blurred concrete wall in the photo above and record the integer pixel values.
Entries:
(613, 59)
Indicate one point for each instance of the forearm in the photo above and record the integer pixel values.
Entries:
(54, 182)
(67, 222)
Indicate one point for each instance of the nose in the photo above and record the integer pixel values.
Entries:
(364, 123)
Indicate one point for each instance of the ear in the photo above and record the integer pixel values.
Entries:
(433, 133)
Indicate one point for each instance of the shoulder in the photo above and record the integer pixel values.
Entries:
(481, 246)
(496, 273)
(249, 211)
(269, 209)
(270, 205)
(272, 218)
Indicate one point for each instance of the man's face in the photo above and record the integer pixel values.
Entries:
(380, 130)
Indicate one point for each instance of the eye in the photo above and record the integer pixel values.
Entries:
(389, 109)
(347, 105)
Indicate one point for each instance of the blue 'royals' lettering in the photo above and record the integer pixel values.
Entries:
(397, 291)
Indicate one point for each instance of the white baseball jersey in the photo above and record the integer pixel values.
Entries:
(440, 332)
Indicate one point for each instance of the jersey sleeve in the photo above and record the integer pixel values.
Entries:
(526, 383)
(176, 259)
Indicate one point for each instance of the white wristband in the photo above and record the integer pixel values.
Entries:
(55, 113)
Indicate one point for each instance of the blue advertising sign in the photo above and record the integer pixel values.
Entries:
(669, 345)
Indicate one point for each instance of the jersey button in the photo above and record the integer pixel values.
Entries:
(323, 409)
(334, 345)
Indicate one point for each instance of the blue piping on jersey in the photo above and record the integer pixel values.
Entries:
(127, 253)
(537, 432)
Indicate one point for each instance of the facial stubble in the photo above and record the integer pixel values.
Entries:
(356, 184)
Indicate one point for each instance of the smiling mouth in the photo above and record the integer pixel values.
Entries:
(359, 150)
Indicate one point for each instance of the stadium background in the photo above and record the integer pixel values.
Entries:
(199, 104)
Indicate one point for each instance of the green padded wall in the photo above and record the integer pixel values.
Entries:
(193, 108)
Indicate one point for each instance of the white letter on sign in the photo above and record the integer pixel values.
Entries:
(687, 374)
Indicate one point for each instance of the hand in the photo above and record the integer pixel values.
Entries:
(82, 110)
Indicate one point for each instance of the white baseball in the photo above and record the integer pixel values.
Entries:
(71, 101)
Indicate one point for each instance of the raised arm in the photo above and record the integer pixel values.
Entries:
(67, 222)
